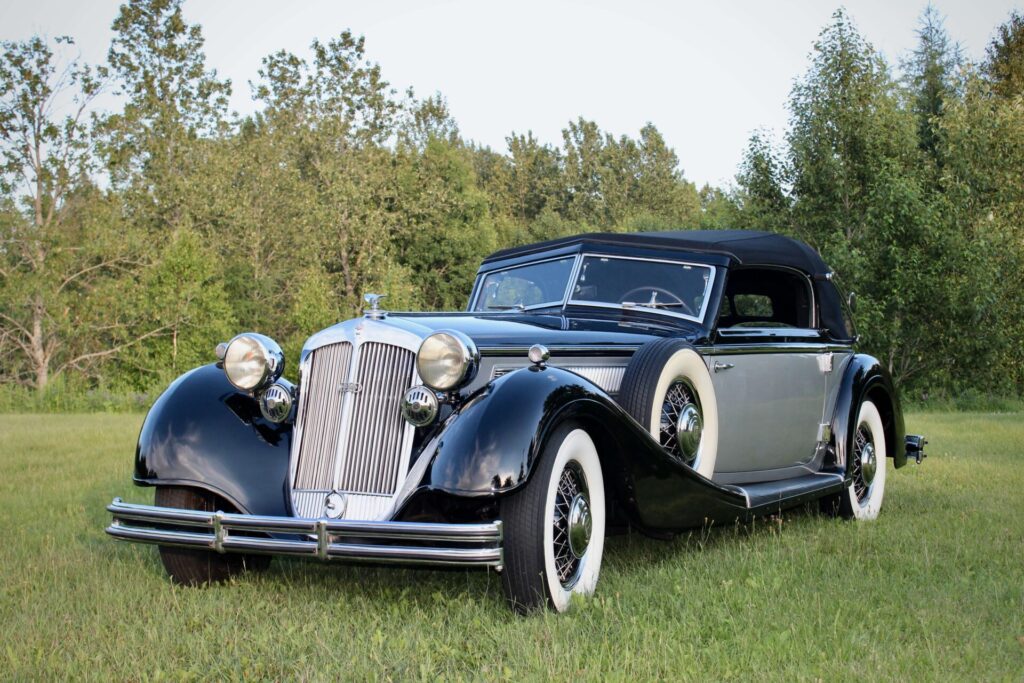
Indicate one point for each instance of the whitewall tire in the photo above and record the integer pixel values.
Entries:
(667, 388)
(554, 528)
(862, 499)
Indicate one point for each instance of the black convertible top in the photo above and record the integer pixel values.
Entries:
(748, 247)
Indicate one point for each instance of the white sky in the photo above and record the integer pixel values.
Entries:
(706, 74)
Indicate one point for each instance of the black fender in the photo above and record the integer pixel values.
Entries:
(866, 378)
(490, 446)
(204, 433)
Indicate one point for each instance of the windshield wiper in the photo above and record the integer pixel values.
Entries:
(652, 304)
(515, 307)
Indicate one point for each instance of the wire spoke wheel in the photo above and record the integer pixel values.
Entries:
(571, 524)
(681, 422)
(866, 464)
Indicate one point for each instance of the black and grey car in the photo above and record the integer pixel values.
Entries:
(653, 381)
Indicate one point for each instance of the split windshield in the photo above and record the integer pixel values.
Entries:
(670, 287)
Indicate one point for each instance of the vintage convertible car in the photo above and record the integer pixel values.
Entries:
(653, 381)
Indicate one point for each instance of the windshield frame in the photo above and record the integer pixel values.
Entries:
(699, 318)
(473, 308)
(574, 274)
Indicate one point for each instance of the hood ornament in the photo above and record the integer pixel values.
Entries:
(374, 312)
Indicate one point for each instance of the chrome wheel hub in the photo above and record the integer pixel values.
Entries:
(868, 463)
(689, 430)
(580, 525)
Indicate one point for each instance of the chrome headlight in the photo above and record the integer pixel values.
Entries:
(252, 361)
(447, 360)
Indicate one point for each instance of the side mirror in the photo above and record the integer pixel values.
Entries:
(851, 301)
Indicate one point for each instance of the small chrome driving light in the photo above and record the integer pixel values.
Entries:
(419, 406)
(447, 360)
(253, 361)
(276, 402)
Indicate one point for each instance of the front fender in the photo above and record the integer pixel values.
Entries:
(203, 432)
(866, 378)
(490, 448)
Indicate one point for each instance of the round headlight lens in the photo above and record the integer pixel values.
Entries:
(252, 361)
(446, 360)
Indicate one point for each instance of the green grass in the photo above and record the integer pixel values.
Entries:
(933, 590)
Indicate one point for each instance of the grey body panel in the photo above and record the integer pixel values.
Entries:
(769, 409)
(781, 388)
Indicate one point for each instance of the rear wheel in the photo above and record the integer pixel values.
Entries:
(200, 567)
(862, 499)
(554, 527)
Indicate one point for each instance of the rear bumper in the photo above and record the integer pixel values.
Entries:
(915, 447)
(464, 545)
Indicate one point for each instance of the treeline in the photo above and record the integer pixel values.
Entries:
(133, 240)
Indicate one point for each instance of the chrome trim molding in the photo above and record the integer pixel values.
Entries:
(785, 347)
(555, 349)
(464, 545)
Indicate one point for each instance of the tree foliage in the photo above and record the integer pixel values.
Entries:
(133, 240)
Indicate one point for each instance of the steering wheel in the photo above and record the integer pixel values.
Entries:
(675, 298)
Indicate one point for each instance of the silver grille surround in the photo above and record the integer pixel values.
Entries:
(349, 433)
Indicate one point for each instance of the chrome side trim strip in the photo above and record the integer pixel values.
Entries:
(476, 544)
(623, 350)
(783, 347)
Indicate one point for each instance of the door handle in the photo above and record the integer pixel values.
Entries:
(723, 366)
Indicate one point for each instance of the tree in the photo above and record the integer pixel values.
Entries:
(333, 116)
(762, 180)
(172, 101)
(1004, 63)
(440, 227)
(57, 253)
(932, 77)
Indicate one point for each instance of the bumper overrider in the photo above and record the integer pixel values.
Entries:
(462, 545)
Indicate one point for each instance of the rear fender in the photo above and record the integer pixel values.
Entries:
(204, 433)
(867, 379)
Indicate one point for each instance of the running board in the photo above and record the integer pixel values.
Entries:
(770, 496)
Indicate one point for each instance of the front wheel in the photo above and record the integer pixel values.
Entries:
(201, 567)
(554, 527)
(862, 499)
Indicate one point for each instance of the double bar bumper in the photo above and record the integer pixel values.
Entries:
(464, 545)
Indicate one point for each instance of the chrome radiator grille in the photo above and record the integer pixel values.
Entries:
(320, 417)
(350, 434)
(372, 454)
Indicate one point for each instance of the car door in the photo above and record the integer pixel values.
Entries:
(770, 391)
(770, 367)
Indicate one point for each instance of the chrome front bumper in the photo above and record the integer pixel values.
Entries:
(463, 545)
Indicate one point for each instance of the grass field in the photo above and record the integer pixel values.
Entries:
(933, 590)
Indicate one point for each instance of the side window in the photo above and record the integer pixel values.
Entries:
(766, 297)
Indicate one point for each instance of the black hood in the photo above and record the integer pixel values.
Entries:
(492, 332)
